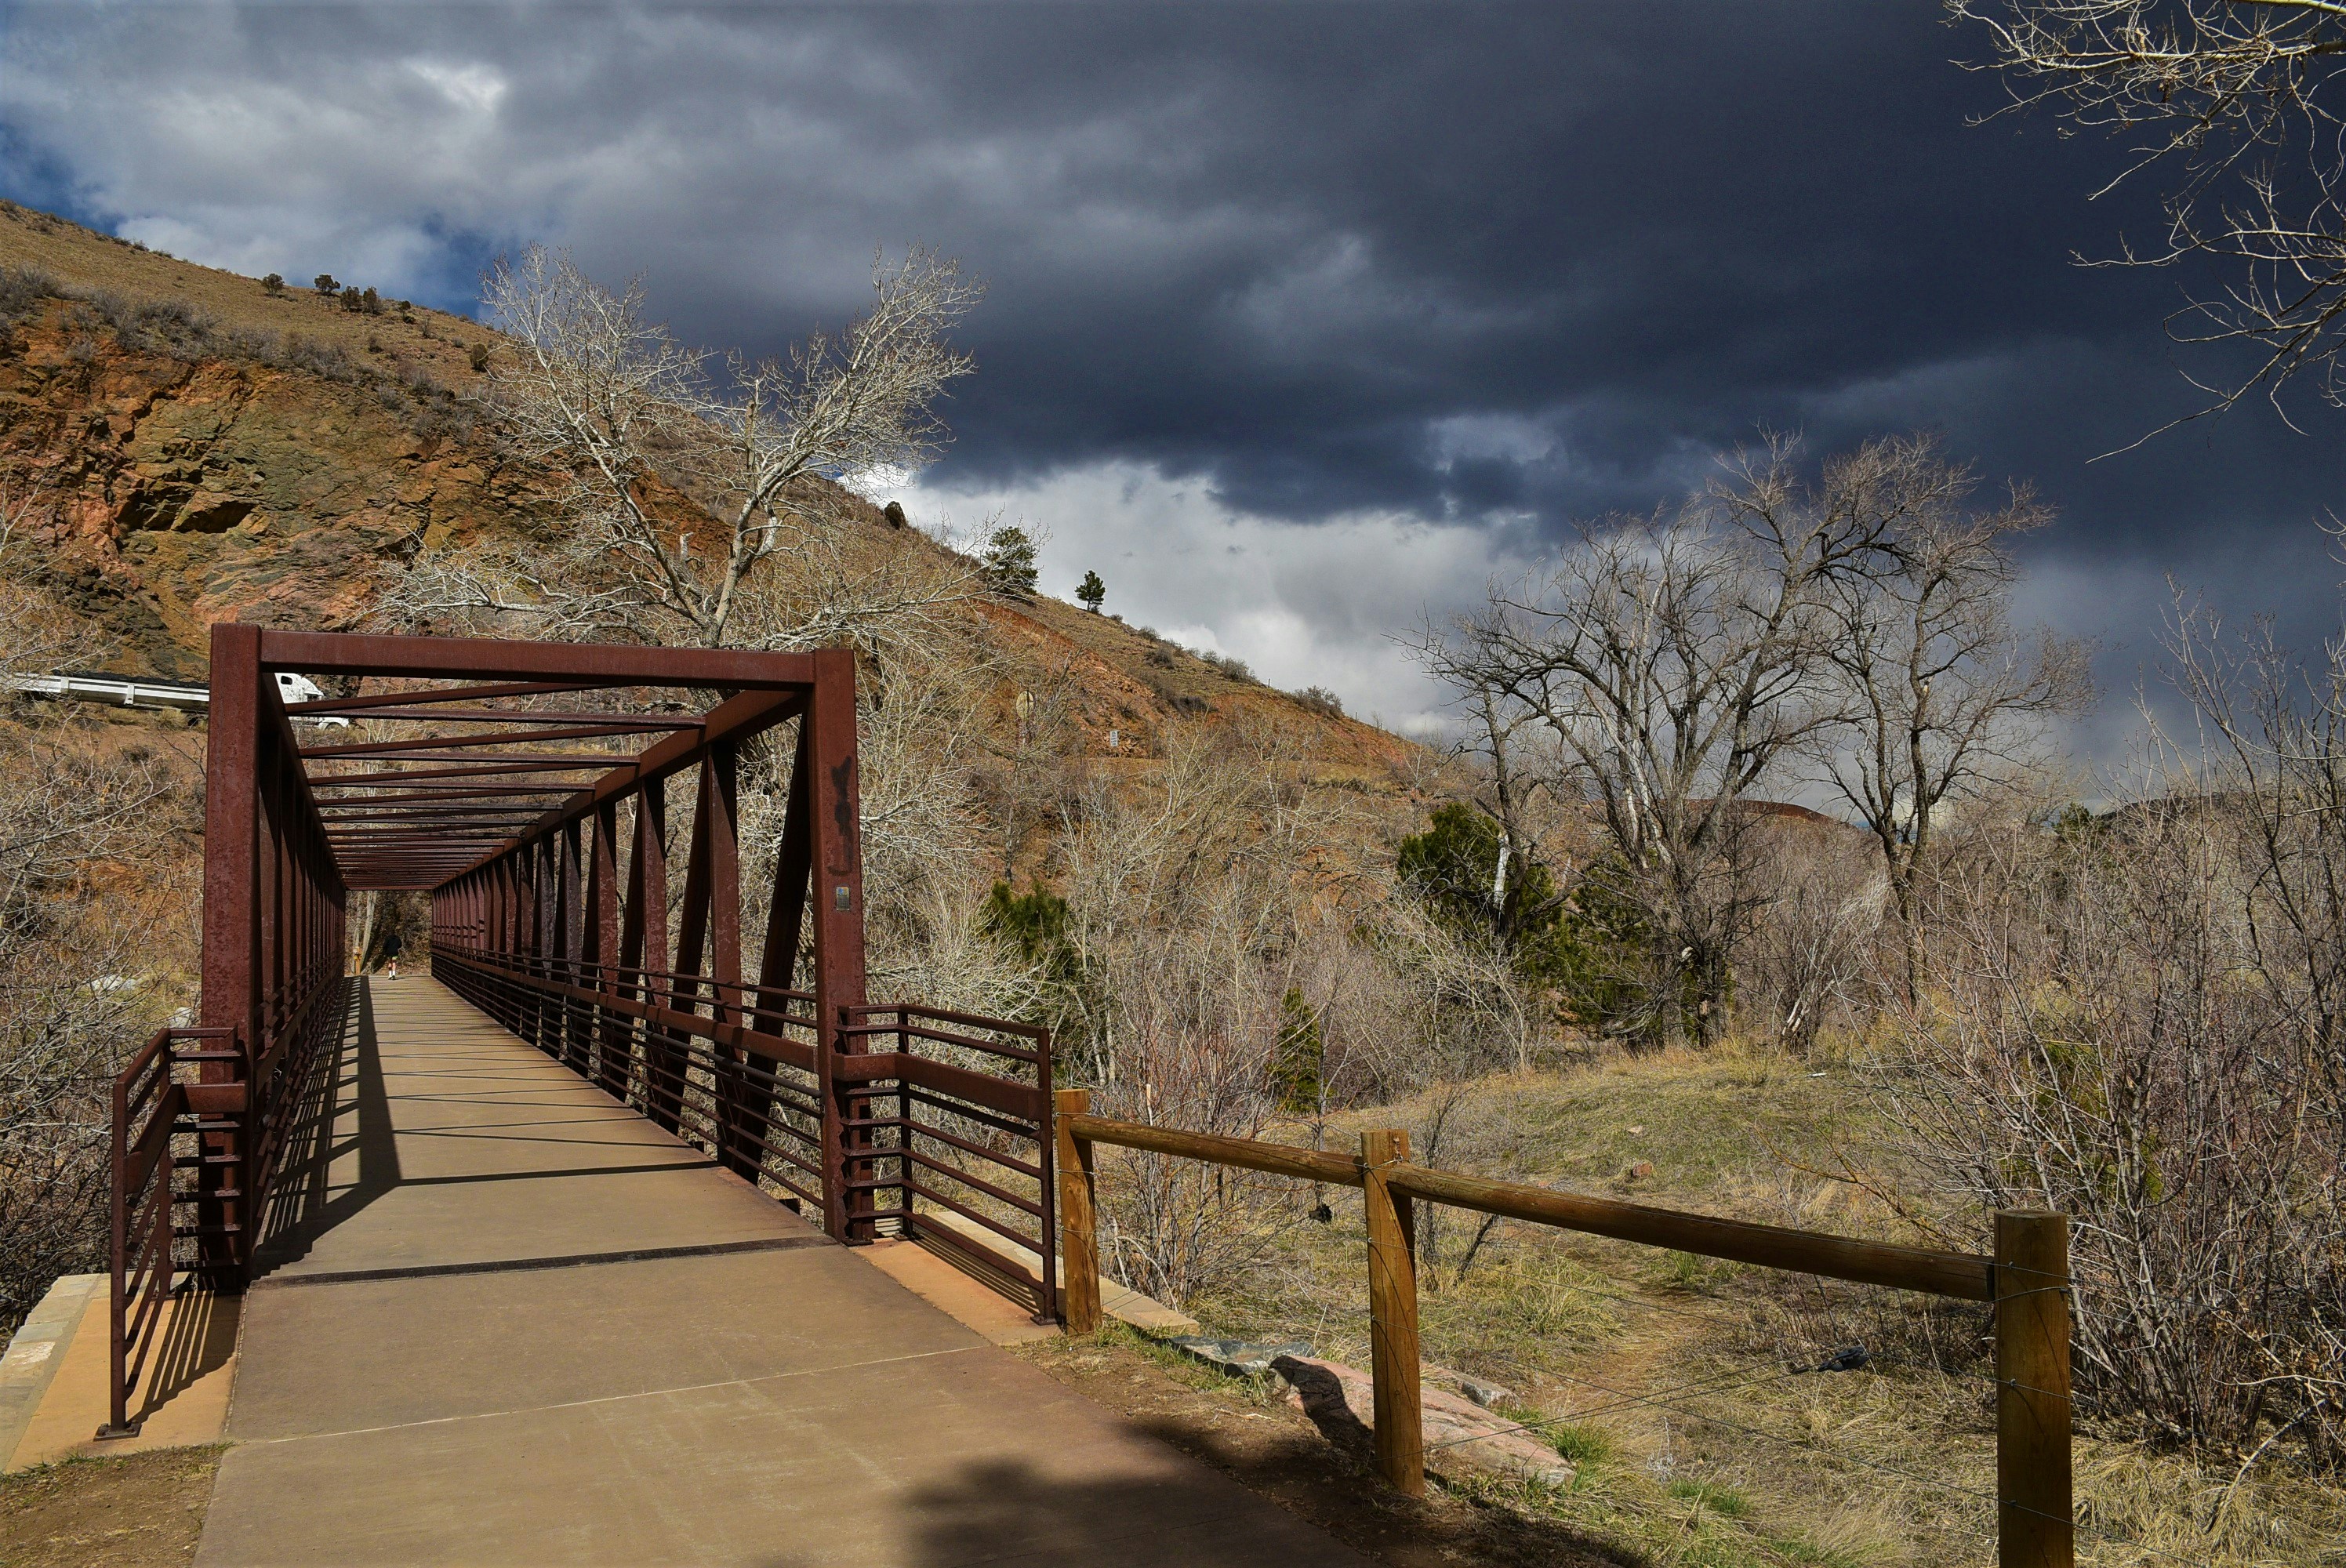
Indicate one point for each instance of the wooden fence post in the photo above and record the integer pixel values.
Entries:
(1079, 1291)
(1392, 1315)
(2034, 1528)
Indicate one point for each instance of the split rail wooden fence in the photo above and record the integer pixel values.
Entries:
(2027, 1281)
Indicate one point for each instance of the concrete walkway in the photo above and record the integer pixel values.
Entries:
(502, 1320)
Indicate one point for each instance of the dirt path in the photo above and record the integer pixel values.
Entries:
(143, 1512)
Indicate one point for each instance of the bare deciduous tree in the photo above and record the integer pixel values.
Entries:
(1036, 762)
(1942, 695)
(665, 456)
(2227, 93)
(2087, 1046)
(1516, 777)
(1677, 662)
(1197, 897)
(1822, 908)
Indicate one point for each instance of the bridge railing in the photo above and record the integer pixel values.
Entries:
(953, 1120)
(150, 1215)
(2027, 1281)
(900, 1115)
(742, 1086)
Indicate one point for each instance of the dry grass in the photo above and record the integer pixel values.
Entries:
(29, 239)
(1682, 1386)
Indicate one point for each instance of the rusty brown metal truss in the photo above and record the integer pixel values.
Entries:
(528, 787)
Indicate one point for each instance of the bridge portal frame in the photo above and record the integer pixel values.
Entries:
(549, 872)
(285, 846)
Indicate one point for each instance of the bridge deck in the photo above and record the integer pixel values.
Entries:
(504, 1319)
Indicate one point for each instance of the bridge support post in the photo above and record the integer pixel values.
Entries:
(610, 1043)
(847, 1210)
(234, 827)
(643, 946)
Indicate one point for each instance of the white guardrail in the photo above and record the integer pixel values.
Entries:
(129, 692)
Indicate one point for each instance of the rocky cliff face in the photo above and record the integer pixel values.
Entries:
(186, 446)
(182, 471)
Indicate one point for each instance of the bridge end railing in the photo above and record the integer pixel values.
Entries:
(951, 1112)
(153, 1104)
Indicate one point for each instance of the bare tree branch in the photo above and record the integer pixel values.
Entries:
(2229, 95)
(1942, 694)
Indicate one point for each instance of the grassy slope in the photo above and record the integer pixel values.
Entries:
(1677, 1382)
(94, 260)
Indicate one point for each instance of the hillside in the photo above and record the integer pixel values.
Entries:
(190, 446)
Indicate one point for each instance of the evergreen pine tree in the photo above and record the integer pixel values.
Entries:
(1009, 562)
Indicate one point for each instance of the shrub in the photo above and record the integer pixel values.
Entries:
(253, 343)
(1321, 700)
(2134, 1020)
(1586, 1447)
(371, 302)
(23, 290)
(325, 283)
(352, 300)
(1298, 1060)
(305, 354)
(146, 326)
(1236, 669)
(274, 283)
(478, 354)
(1578, 947)
(1035, 923)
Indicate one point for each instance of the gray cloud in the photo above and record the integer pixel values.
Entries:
(1446, 275)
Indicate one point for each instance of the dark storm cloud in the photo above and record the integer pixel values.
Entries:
(1488, 266)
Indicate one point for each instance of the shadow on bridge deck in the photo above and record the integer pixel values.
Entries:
(502, 1318)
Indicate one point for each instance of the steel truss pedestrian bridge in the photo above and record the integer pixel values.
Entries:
(546, 1255)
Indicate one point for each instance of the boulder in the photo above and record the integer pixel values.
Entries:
(1238, 1358)
(1462, 1439)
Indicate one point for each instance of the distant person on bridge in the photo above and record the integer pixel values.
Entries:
(390, 956)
